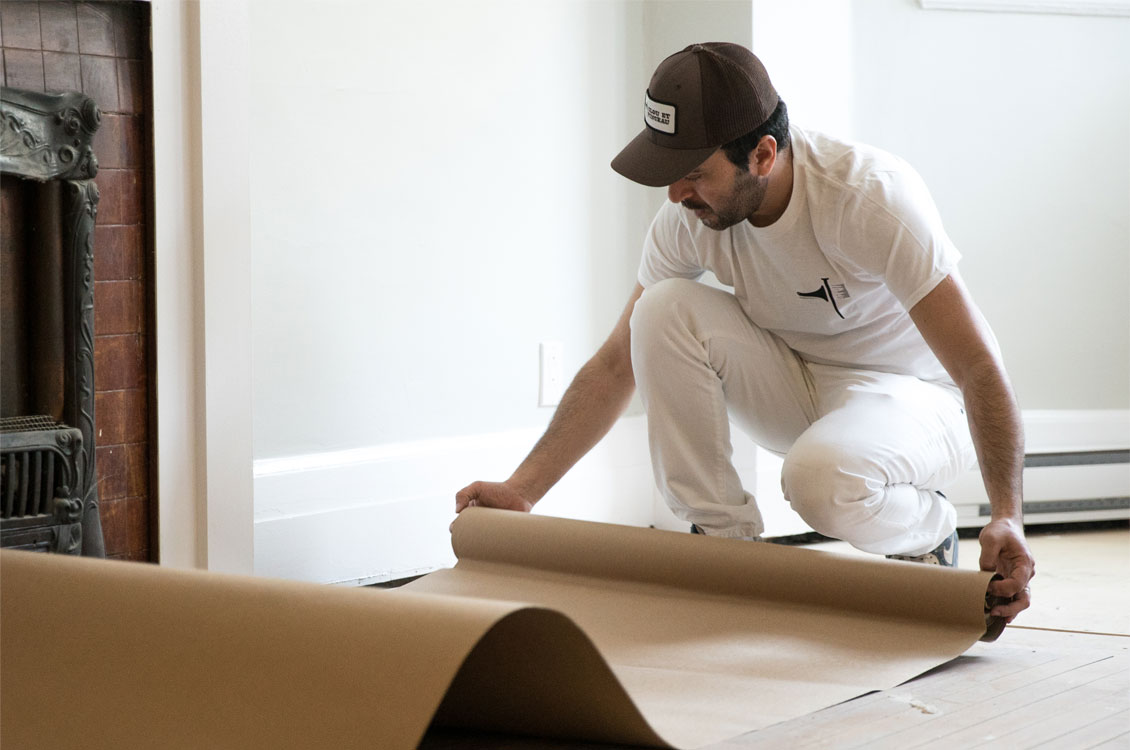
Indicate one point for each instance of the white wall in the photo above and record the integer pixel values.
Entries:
(430, 200)
(810, 59)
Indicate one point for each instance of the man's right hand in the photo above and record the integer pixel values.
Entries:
(491, 495)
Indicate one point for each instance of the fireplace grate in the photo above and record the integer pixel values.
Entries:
(36, 465)
(29, 476)
(40, 473)
(29, 479)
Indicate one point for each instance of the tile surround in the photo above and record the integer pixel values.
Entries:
(119, 308)
(100, 81)
(23, 69)
(61, 72)
(121, 416)
(119, 363)
(122, 471)
(96, 30)
(20, 22)
(59, 27)
(120, 252)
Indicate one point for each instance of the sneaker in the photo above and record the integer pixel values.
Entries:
(945, 554)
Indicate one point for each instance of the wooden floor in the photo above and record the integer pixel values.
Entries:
(1058, 678)
(1030, 689)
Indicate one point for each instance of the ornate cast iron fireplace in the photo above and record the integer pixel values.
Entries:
(48, 487)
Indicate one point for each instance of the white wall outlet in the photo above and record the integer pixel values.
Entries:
(551, 386)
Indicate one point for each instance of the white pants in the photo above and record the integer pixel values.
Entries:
(864, 451)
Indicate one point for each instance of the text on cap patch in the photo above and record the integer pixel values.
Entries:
(658, 115)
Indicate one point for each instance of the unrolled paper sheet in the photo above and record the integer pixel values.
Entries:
(545, 626)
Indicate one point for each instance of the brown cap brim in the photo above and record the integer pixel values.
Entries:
(644, 162)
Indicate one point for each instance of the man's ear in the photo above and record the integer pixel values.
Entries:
(763, 156)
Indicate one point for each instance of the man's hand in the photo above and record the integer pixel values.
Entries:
(1004, 551)
(491, 495)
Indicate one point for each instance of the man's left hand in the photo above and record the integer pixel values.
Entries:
(1004, 551)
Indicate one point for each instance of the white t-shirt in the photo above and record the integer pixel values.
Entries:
(860, 244)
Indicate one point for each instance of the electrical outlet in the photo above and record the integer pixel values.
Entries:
(551, 385)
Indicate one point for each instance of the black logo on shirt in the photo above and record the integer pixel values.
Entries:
(828, 292)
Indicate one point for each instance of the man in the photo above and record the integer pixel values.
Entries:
(849, 345)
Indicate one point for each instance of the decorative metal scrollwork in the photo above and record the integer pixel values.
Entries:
(48, 136)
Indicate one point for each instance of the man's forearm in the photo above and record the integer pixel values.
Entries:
(998, 435)
(959, 335)
(590, 406)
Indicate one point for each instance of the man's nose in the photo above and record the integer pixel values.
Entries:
(678, 192)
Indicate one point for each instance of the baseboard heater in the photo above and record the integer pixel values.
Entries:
(1083, 458)
(1059, 487)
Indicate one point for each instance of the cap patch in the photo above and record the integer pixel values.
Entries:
(658, 115)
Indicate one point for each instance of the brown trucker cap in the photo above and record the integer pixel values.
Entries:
(699, 99)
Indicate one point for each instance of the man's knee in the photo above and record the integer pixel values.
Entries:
(819, 484)
(663, 316)
(660, 304)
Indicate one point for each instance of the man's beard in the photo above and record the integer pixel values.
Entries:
(746, 198)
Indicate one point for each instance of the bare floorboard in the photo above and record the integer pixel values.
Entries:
(1032, 688)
